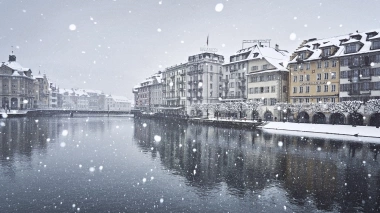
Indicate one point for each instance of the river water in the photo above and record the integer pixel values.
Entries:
(121, 164)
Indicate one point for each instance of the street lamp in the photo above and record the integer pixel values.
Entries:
(285, 115)
(279, 109)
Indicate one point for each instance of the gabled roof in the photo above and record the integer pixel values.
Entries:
(277, 58)
(15, 66)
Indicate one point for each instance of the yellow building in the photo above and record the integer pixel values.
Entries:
(314, 71)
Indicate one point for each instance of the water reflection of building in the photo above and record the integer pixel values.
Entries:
(327, 175)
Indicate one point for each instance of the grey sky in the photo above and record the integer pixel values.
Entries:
(116, 43)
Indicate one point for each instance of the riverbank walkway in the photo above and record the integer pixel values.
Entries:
(326, 129)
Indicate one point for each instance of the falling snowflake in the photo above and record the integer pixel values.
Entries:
(159, 30)
(219, 7)
(72, 27)
(65, 132)
(292, 36)
(92, 169)
(62, 144)
(157, 138)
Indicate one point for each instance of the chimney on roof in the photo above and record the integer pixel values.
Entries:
(276, 47)
(12, 57)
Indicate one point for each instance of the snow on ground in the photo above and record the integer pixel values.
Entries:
(342, 132)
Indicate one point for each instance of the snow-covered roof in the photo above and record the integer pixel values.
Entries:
(375, 37)
(277, 58)
(340, 42)
(119, 98)
(15, 73)
(99, 92)
(15, 66)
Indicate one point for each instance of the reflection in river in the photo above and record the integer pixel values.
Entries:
(309, 174)
(118, 165)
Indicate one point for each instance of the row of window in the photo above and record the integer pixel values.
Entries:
(318, 77)
(307, 100)
(263, 67)
(360, 73)
(235, 75)
(319, 65)
(360, 86)
(357, 60)
(259, 90)
(262, 78)
(266, 101)
(233, 67)
(318, 89)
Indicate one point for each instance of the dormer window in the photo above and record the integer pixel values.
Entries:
(255, 55)
(351, 48)
(315, 46)
(302, 56)
(326, 52)
(375, 44)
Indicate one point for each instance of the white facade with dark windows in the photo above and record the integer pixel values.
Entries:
(360, 67)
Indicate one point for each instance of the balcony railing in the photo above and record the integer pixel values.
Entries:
(355, 79)
(365, 92)
(362, 92)
(224, 80)
(172, 98)
(235, 97)
(195, 72)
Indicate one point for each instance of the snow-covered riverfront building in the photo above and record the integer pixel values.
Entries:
(174, 89)
(360, 66)
(204, 77)
(16, 85)
(117, 103)
(42, 92)
(267, 79)
(234, 86)
(148, 94)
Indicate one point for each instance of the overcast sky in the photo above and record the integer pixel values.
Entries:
(118, 43)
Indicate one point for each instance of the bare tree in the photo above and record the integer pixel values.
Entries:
(217, 108)
(373, 106)
(351, 107)
(334, 107)
(283, 106)
(197, 108)
(230, 107)
(254, 106)
(206, 106)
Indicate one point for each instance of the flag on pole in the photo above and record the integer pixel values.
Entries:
(207, 41)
